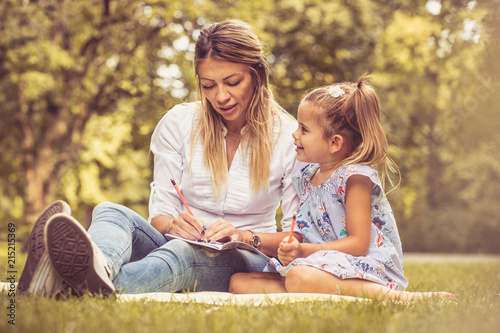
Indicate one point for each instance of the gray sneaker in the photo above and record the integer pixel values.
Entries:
(79, 261)
(46, 281)
(36, 245)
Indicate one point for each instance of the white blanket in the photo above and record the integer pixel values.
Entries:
(221, 298)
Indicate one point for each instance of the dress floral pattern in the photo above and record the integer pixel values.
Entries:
(321, 218)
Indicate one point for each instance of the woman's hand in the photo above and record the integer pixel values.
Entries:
(223, 231)
(184, 225)
(287, 252)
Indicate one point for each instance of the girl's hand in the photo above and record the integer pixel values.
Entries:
(287, 252)
(186, 226)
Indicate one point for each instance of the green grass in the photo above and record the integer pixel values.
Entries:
(477, 309)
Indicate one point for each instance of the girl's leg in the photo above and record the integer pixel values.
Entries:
(257, 283)
(415, 296)
(307, 279)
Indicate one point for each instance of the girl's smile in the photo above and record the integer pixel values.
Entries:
(298, 148)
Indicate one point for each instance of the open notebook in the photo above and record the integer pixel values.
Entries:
(219, 246)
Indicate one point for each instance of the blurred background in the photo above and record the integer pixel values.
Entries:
(83, 84)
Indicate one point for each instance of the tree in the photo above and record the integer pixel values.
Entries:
(83, 84)
(476, 124)
(428, 70)
(73, 66)
(64, 62)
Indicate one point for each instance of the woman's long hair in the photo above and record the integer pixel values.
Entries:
(234, 41)
(352, 110)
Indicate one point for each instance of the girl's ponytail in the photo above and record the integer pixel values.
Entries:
(363, 114)
(363, 104)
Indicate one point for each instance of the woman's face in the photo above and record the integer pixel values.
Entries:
(228, 86)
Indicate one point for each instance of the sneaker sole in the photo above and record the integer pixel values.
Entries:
(36, 243)
(72, 256)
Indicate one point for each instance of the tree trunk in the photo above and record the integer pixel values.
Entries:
(45, 158)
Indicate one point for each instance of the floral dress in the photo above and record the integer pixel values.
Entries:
(321, 218)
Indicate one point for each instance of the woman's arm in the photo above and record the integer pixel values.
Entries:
(164, 204)
(162, 223)
(185, 225)
(271, 242)
(166, 145)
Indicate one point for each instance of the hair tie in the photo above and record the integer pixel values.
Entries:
(335, 91)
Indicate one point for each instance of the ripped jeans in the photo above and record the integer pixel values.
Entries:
(142, 260)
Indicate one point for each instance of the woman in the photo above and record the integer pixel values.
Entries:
(232, 155)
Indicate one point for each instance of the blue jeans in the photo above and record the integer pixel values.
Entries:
(142, 260)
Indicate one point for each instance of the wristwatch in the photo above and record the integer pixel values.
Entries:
(255, 240)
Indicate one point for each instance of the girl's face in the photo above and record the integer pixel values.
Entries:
(312, 147)
(228, 86)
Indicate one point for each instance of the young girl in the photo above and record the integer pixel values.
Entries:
(351, 244)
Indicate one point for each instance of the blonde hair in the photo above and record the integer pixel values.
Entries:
(234, 41)
(355, 115)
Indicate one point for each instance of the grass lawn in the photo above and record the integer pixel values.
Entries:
(477, 309)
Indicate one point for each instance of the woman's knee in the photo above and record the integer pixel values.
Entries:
(106, 206)
(118, 214)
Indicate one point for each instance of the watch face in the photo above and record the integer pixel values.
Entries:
(256, 241)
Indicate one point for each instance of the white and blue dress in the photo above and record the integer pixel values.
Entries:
(321, 218)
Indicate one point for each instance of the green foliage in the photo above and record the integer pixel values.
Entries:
(438, 105)
(83, 84)
(68, 67)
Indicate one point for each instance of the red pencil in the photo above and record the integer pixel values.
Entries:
(181, 196)
(187, 207)
(291, 228)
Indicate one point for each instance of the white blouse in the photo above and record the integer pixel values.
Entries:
(171, 146)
